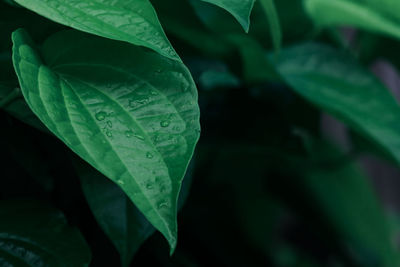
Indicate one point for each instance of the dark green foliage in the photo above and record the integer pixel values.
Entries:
(100, 108)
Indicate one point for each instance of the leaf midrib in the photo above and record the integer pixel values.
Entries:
(123, 162)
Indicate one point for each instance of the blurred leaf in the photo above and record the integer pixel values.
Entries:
(337, 84)
(346, 199)
(217, 79)
(135, 121)
(183, 24)
(256, 67)
(34, 234)
(133, 21)
(374, 15)
(240, 9)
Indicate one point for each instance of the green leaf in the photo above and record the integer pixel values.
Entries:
(346, 200)
(121, 221)
(240, 9)
(133, 21)
(335, 83)
(129, 112)
(372, 15)
(34, 234)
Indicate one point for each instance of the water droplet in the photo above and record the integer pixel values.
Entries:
(143, 101)
(101, 115)
(139, 137)
(138, 102)
(149, 155)
(128, 133)
(165, 123)
(163, 205)
(109, 133)
(154, 93)
(149, 186)
(120, 181)
(109, 124)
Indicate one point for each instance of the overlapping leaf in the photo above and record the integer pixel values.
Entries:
(240, 9)
(336, 83)
(129, 112)
(133, 21)
(34, 234)
(120, 220)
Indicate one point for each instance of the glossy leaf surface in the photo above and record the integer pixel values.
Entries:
(131, 113)
(240, 9)
(133, 21)
(121, 221)
(335, 83)
(34, 234)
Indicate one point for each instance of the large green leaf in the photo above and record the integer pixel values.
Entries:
(121, 221)
(337, 84)
(34, 234)
(240, 9)
(129, 112)
(133, 21)
(373, 15)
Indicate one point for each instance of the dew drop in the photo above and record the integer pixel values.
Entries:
(120, 181)
(101, 115)
(149, 155)
(164, 123)
(139, 137)
(163, 205)
(143, 101)
(109, 133)
(149, 186)
(128, 133)
(109, 124)
(153, 93)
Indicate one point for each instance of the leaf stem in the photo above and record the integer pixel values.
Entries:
(14, 94)
(274, 24)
